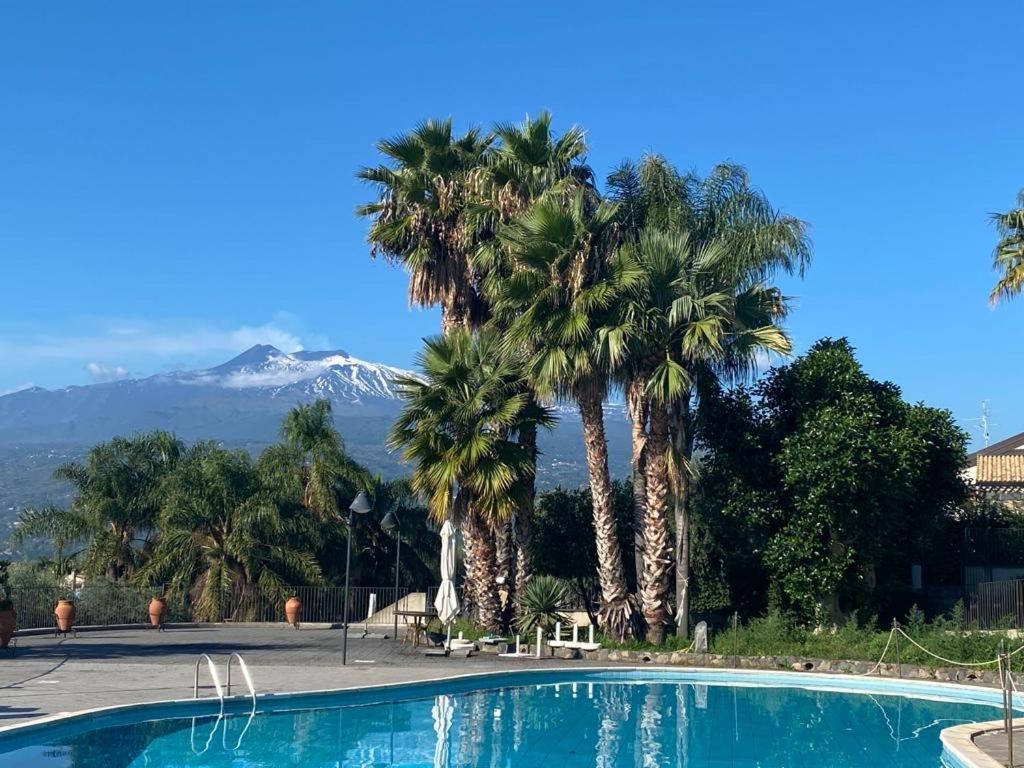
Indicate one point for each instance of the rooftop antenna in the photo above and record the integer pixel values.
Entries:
(983, 422)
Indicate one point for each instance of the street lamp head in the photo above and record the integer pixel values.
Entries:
(390, 521)
(361, 504)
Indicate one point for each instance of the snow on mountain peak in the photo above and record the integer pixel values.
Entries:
(333, 374)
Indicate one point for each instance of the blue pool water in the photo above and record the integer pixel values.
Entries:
(603, 720)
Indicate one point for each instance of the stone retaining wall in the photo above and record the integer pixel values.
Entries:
(669, 658)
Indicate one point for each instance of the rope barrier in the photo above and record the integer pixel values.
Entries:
(885, 651)
(997, 660)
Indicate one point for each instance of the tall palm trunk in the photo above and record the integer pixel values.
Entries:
(505, 556)
(616, 613)
(658, 545)
(636, 405)
(524, 515)
(682, 448)
(482, 572)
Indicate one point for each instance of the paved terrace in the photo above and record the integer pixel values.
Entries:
(50, 675)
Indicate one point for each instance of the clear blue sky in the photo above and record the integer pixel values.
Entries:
(176, 179)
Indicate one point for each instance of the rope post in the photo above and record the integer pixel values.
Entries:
(735, 630)
(1009, 710)
(896, 636)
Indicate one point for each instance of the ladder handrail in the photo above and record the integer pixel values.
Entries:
(252, 693)
(195, 695)
(245, 673)
(213, 674)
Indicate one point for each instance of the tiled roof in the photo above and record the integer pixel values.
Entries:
(1001, 469)
(1011, 446)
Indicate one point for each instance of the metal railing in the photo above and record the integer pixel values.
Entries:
(998, 605)
(102, 603)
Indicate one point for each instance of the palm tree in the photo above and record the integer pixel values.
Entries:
(224, 530)
(563, 281)
(528, 160)
(59, 526)
(419, 216)
(683, 316)
(118, 494)
(457, 428)
(312, 441)
(1009, 252)
(737, 241)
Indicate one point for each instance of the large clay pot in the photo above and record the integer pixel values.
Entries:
(157, 611)
(293, 610)
(8, 620)
(65, 613)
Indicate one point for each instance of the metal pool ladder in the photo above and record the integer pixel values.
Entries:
(222, 693)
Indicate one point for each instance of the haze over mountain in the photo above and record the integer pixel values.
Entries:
(240, 403)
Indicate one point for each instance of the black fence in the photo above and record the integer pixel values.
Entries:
(998, 605)
(106, 603)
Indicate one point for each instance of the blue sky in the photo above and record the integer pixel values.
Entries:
(177, 180)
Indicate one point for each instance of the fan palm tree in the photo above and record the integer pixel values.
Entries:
(457, 428)
(1009, 252)
(419, 216)
(720, 214)
(682, 317)
(225, 530)
(118, 493)
(563, 281)
(528, 160)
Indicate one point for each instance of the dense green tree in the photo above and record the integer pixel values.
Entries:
(833, 475)
(458, 428)
(226, 531)
(1009, 252)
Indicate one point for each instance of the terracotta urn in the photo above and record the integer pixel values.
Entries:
(8, 620)
(293, 610)
(65, 613)
(157, 611)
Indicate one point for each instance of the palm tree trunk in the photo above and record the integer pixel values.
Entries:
(616, 612)
(658, 546)
(636, 405)
(504, 540)
(482, 572)
(524, 515)
(682, 447)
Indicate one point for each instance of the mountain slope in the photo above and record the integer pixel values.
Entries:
(240, 403)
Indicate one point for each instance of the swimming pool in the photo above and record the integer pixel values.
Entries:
(565, 718)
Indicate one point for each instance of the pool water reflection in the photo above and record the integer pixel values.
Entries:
(568, 725)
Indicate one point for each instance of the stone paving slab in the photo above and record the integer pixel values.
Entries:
(48, 675)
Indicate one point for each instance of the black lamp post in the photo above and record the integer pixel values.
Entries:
(391, 525)
(360, 506)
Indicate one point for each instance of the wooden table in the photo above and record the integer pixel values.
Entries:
(419, 622)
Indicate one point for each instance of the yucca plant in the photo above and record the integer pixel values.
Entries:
(541, 604)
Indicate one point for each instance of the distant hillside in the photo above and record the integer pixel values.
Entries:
(240, 403)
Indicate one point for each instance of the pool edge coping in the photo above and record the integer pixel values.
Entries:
(957, 741)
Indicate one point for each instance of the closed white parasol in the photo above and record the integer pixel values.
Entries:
(447, 601)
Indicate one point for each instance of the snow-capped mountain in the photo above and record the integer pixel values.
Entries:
(334, 375)
(241, 403)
